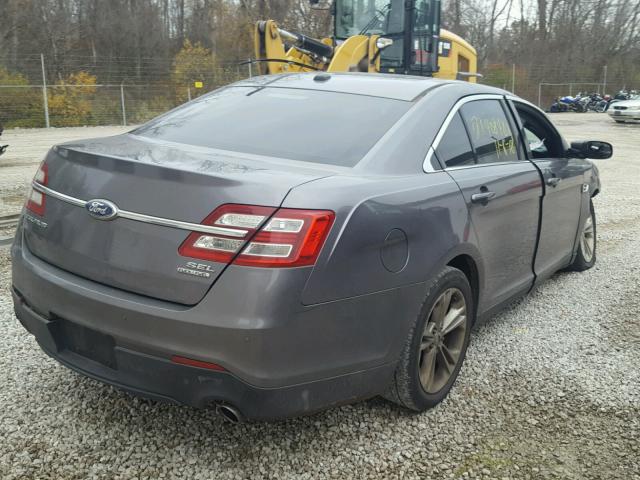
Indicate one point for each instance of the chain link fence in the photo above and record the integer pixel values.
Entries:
(34, 95)
(136, 90)
(542, 84)
(92, 105)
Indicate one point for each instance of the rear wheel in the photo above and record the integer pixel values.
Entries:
(586, 255)
(437, 343)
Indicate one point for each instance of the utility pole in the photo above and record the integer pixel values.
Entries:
(604, 82)
(513, 79)
(44, 93)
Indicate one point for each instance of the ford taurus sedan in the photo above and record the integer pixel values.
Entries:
(294, 242)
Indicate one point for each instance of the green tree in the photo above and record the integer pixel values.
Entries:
(194, 63)
(70, 101)
(20, 105)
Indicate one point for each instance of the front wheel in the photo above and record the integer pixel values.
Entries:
(586, 255)
(437, 343)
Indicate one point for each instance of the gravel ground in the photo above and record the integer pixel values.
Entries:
(550, 389)
(27, 148)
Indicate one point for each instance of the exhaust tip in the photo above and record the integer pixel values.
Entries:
(230, 413)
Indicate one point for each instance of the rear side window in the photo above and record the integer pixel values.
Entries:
(454, 149)
(490, 131)
(307, 125)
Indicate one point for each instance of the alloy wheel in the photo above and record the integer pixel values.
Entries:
(588, 240)
(442, 340)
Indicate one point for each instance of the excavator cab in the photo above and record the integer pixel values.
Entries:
(411, 27)
(377, 36)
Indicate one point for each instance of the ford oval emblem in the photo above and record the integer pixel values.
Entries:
(101, 209)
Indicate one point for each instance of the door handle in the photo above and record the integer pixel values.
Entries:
(482, 198)
(553, 181)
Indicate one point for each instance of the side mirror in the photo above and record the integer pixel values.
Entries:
(593, 149)
(383, 43)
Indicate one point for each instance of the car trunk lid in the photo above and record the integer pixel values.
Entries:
(153, 181)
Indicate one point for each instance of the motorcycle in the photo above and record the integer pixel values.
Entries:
(558, 106)
(573, 104)
(594, 100)
(603, 105)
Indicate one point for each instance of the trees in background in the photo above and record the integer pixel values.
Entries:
(555, 40)
(137, 40)
(166, 44)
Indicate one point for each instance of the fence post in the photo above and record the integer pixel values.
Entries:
(124, 109)
(250, 69)
(539, 94)
(44, 93)
(513, 79)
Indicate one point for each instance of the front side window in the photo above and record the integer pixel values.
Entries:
(490, 131)
(454, 149)
(374, 17)
(305, 125)
(541, 137)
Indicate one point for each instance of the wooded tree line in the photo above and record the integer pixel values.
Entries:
(137, 39)
(555, 40)
(166, 44)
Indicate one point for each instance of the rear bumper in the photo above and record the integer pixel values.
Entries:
(284, 358)
(159, 379)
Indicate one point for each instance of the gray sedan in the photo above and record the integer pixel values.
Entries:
(294, 242)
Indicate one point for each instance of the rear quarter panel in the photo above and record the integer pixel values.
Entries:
(428, 209)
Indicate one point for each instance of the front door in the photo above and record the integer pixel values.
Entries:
(563, 184)
(502, 191)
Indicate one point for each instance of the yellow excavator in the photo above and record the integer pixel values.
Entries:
(377, 36)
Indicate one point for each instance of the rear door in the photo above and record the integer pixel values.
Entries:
(563, 184)
(502, 191)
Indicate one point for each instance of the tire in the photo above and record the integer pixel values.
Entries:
(586, 255)
(407, 389)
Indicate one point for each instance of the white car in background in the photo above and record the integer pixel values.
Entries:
(626, 110)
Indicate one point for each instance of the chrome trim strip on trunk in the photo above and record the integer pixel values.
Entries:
(139, 217)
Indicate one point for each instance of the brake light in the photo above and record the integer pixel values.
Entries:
(35, 199)
(288, 238)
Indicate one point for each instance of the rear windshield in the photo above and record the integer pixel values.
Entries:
(307, 125)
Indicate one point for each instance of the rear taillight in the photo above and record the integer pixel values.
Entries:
(288, 238)
(35, 199)
(242, 219)
(291, 238)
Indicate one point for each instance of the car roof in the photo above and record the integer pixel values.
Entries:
(398, 87)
